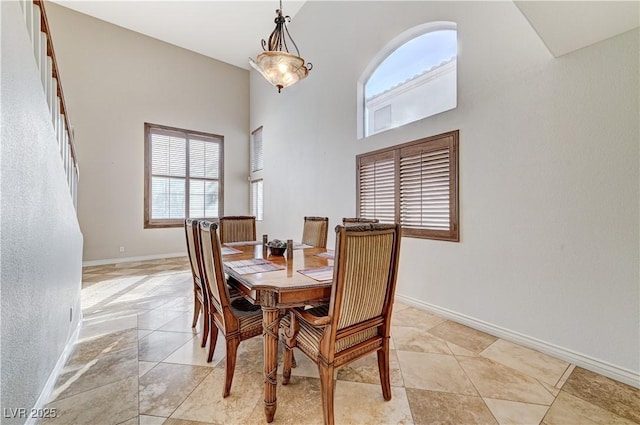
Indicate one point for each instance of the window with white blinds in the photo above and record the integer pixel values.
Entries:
(415, 184)
(257, 206)
(183, 176)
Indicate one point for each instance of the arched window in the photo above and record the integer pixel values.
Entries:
(413, 77)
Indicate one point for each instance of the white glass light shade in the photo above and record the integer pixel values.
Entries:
(281, 69)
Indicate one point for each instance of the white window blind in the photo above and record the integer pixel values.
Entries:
(183, 177)
(376, 178)
(415, 184)
(257, 161)
(257, 206)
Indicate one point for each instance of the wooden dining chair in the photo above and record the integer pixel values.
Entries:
(200, 301)
(352, 221)
(236, 320)
(357, 320)
(315, 231)
(237, 228)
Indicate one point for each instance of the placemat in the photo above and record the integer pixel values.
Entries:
(229, 251)
(241, 243)
(255, 265)
(328, 254)
(321, 274)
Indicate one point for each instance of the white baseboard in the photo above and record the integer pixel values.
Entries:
(49, 386)
(598, 366)
(131, 259)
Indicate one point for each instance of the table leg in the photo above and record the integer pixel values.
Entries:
(270, 325)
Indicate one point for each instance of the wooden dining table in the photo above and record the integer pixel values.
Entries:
(274, 291)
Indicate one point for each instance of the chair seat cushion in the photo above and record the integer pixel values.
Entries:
(249, 316)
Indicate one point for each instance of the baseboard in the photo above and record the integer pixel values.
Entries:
(131, 259)
(49, 386)
(612, 371)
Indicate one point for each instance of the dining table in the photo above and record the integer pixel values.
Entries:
(277, 282)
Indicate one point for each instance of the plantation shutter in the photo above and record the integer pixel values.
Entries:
(376, 187)
(425, 186)
(257, 206)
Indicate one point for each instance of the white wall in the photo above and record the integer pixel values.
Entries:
(549, 181)
(40, 240)
(115, 80)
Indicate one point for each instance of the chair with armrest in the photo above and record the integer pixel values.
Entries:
(354, 221)
(315, 231)
(237, 319)
(237, 228)
(357, 320)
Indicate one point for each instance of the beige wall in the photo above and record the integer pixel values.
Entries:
(115, 80)
(549, 193)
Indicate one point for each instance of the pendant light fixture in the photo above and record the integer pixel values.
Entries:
(278, 66)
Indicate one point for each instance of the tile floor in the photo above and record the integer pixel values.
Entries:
(138, 361)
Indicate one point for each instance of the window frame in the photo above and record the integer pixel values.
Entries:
(389, 48)
(448, 140)
(150, 222)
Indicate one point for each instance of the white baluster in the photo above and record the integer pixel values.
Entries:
(43, 60)
(28, 16)
(35, 33)
(48, 73)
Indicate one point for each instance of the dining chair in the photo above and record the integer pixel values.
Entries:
(237, 228)
(236, 320)
(351, 221)
(315, 231)
(200, 302)
(357, 320)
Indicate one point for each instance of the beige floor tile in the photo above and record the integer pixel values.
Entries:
(109, 404)
(516, 413)
(553, 390)
(158, 318)
(365, 370)
(616, 397)
(192, 353)
(410, 316)
(565, 376)
(96, 327)
(144, 367)
(132, 421)
(182, 323)
(494, 380)
(107, 344)
(436, 372)
(102, 370)
(460, 351)
(158, 345)
(173, 421)
(206, 404)
(357, 403)
(151, 420)
(434, 407)
(299, 402)
(541, 366)
(166, 386)
(417, 339)
(143, 332)
(568, 409)
(464, 336)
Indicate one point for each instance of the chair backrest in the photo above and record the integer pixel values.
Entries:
(193, 249)
(214, 280)
(237, 228)
(364, 279)
(351, 221)
(315, 231)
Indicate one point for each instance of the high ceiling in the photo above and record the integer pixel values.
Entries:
(231, 31)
